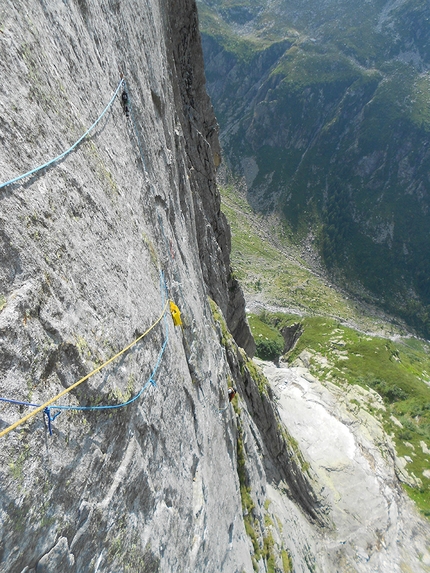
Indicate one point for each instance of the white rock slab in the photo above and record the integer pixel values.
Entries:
(375, 526)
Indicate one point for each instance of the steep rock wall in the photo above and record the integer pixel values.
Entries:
(153, 486)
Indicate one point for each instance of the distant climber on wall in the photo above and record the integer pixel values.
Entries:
(124, 102)
(231, 393)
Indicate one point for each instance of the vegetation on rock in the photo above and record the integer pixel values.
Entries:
(376, 354)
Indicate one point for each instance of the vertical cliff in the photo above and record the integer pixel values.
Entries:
(91, 246)
(82, 243)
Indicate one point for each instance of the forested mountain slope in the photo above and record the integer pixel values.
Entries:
(324, 107)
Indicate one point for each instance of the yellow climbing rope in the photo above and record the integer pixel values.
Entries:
(67, 390)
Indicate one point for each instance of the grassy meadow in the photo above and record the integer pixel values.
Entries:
(347, 342)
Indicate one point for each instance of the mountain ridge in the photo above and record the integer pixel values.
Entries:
(333, 135)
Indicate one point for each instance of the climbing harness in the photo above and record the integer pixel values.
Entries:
(46, 407)
(52, 161)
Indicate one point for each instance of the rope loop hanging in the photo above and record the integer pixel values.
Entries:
(62, 155)
(49, 405)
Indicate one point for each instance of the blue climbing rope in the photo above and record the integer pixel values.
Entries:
(49, 418)
(45, 165)
(160, 222)
(151, 381)
(46, 411)
(136, 133)
(19, 403)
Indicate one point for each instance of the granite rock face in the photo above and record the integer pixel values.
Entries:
(374, 526)
(152, 486)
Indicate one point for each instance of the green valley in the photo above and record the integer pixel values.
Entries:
(324, 111)
(343, 341)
